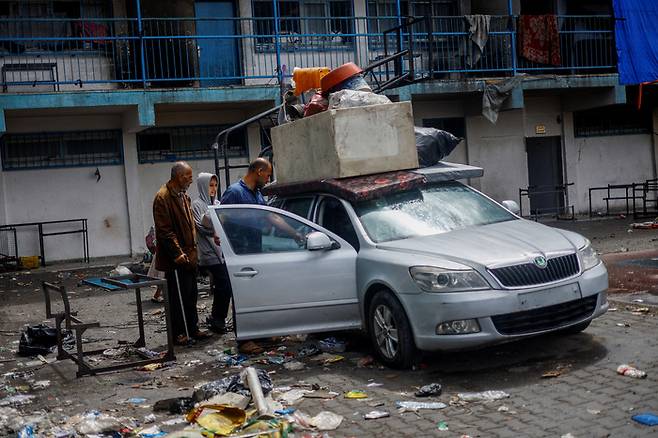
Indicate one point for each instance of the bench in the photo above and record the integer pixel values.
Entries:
(27, 67)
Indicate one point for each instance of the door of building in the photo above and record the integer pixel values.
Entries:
(545, 174)
(219, 60)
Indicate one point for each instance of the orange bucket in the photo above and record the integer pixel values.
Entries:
(308, 78)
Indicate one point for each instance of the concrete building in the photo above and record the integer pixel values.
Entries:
(100, 96)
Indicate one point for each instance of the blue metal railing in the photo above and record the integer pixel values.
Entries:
(153, 52)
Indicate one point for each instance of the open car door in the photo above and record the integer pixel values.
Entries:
(288, 274)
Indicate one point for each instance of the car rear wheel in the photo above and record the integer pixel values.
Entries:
(390, 331)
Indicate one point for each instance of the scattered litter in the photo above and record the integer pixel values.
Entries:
(41, 384)
(17, 400)
(482, 396)
(332, 345)
(374, 385)
(648, 419)
(193, 363)
(133, 401)
(567, 435)
(442, 426)
(151, 432)
(375, 415)
(293, 366)
(365, 361)
(234, 383)
(250, 347)
(286, 411)
(180, 405)
(327, 358)
(153, 366)
(150, 418)
(96, 423)
(550, 374)
(293, 396)
(322, 394)
(307, 351)
(120, 270)
(623, 324)
(223, 420)
(506, 410)
(375, 404)
(414, 406)
(638, 300)
(630, 371)
(356, 394)
(594, 411)
(174, 421)
(431, 390)
(326, 420)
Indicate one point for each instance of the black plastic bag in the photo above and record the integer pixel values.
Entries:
(234, 384)
(37, 339)
(180, 405)
(433, 145)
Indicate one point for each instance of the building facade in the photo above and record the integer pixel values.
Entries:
(99, 97)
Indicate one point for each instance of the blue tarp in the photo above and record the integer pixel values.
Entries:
(636, 36)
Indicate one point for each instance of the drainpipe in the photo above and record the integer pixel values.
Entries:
(510, 11)
(140, 33)
(277, 44)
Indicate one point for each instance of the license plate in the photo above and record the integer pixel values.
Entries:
(549, 297)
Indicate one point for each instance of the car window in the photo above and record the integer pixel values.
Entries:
(333, 217)
(254, 231)
(298, 206)
(430, 210)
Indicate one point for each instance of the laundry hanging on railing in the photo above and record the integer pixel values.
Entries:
(636, 40)
(539, 40)
(478, 32)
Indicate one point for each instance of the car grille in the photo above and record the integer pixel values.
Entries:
(545, 318)
(529, 274)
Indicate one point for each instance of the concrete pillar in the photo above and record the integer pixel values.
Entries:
(3, 205)
(135, 214)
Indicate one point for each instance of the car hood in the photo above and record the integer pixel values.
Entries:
(492, 245)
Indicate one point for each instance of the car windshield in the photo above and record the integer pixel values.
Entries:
(429, 210)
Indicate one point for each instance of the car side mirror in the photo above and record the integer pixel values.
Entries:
(512, 206)
(317, 241)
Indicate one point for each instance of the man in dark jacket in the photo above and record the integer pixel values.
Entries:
(176, 253)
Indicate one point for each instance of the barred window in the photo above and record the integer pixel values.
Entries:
(611, 120)
(187, 143)
(61, 149)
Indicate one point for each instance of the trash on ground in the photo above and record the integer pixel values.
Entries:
(39, 339)
(550, 374)
(17, 400)
(647, 418)
(250, 347)
(217, 419)
(322, 394)
(375, 415)
(294, 366)
(414, 406)
(253, 381)
(327, 358)
(506, 409)
(594, 411)
(235, 383)
(95, 423)
(431, 390)
(482, 396)
(356, 394)
(442, 426)
(630, 371)
(374, 385)
(293, 396)
(326, 420)
(332, 345)
(307, 351)
(228, 399)
(365, 361)
(180, 405)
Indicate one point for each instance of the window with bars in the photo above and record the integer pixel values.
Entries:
(325, 24)
(187, 143)
(61, 149)
(611, 120)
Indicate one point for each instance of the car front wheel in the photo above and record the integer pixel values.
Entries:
(390, 331)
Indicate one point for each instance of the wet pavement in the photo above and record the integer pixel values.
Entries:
(557, 385)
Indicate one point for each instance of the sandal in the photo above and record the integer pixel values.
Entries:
(183, 340)
(199, 335)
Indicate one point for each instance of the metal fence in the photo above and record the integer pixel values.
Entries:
(154, 52)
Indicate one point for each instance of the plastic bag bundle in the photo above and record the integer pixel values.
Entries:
(433, 145)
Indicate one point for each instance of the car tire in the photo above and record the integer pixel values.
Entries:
(390, 331)
(575, 329)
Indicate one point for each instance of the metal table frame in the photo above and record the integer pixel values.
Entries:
(78, 327)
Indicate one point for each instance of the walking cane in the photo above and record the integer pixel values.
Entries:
(182, 307)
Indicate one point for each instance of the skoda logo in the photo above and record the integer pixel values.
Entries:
(540, 262)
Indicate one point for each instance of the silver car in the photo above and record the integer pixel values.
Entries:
(435, 267)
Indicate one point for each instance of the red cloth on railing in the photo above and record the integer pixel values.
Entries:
(539, 39)
(91, 29)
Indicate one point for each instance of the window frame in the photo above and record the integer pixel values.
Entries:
(148, 156)
(600, 122)
(291, 42)
(114, 158)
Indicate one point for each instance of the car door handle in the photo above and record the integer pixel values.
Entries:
(246, 272)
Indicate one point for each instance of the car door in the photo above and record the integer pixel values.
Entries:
(280, 287)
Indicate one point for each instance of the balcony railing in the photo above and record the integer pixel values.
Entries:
(69, 54)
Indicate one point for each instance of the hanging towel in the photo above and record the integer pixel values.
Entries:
(478, 32)
(539, 39)
(495, 95)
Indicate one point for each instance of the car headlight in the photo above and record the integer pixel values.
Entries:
(433, 279)
(588, 256)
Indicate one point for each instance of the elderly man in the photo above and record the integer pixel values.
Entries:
(176, 253)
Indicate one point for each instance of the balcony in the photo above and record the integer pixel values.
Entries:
(83, 54)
